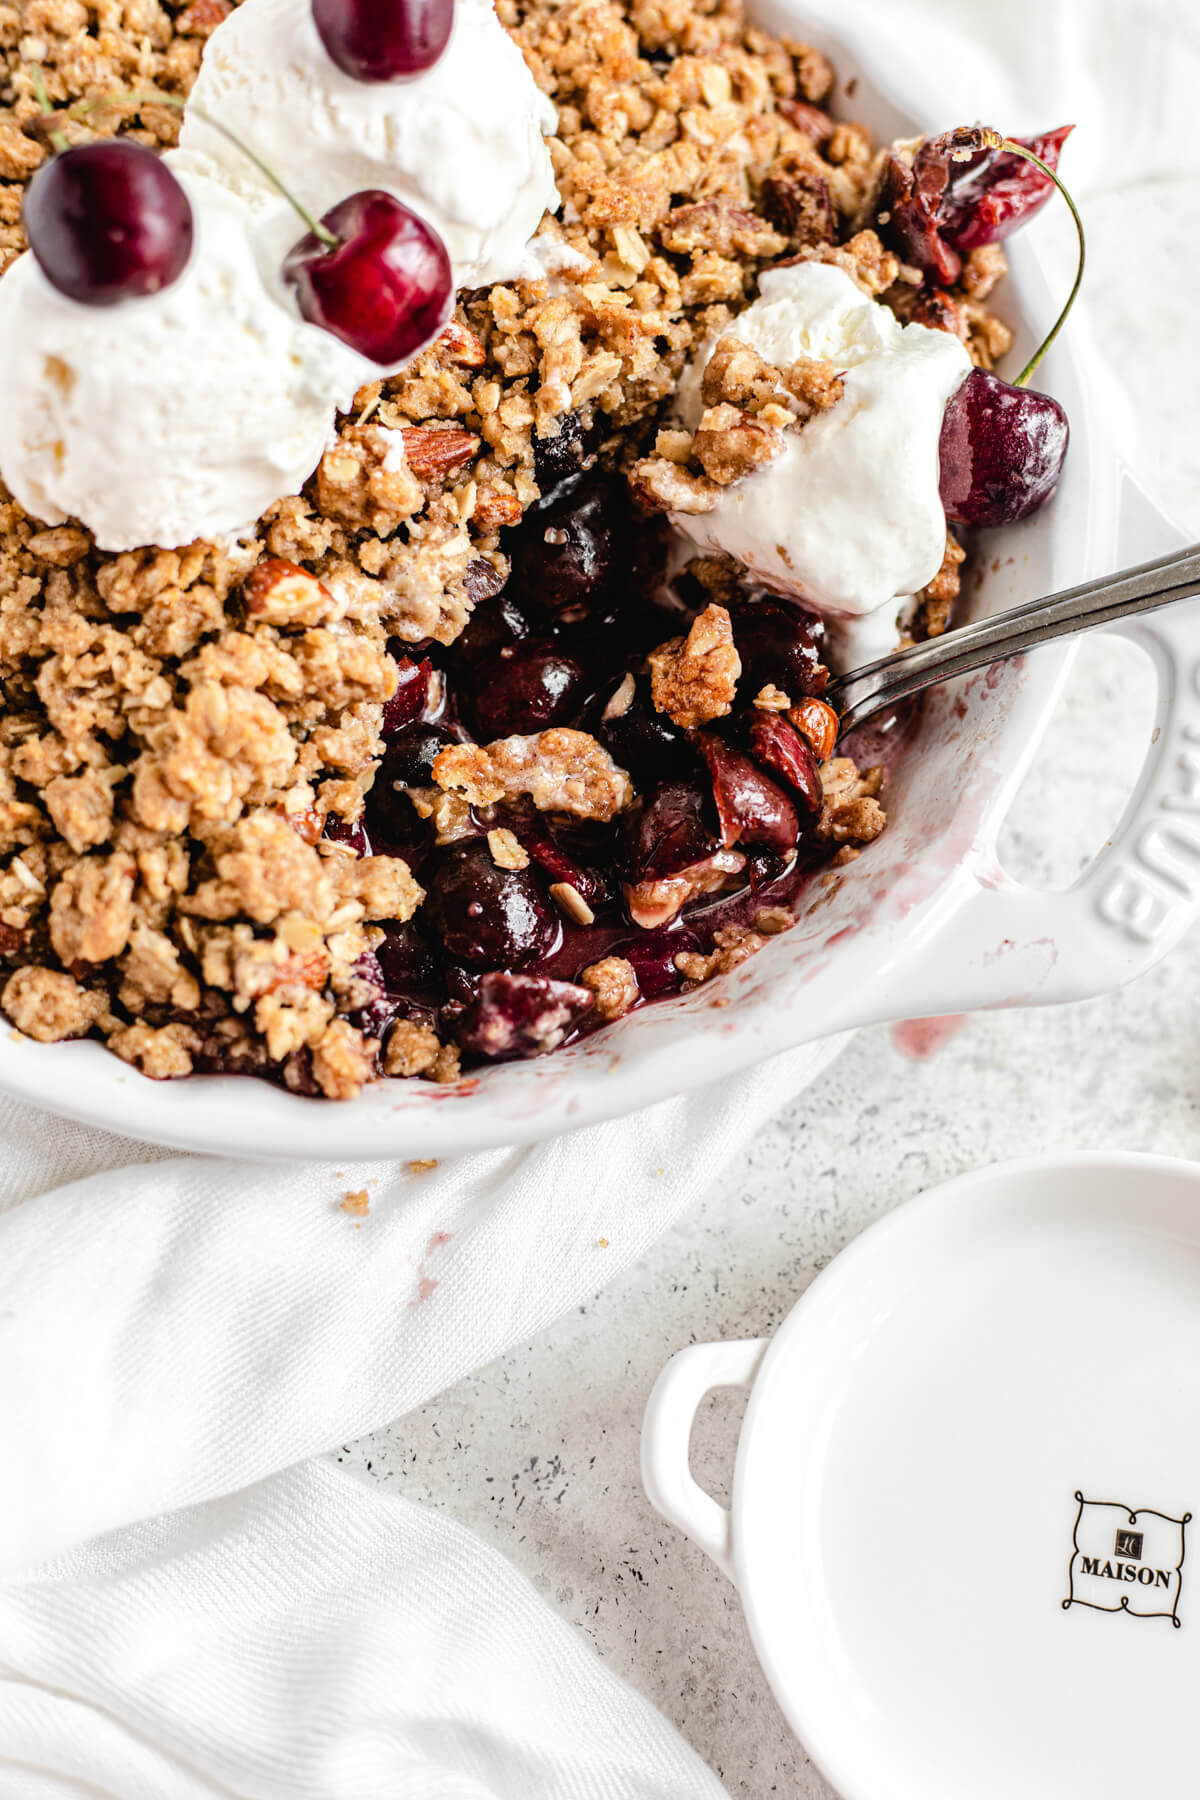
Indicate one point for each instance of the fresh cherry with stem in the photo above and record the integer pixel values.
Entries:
(383, 40)
(107, 221)
(371, 272)
(1002, 447)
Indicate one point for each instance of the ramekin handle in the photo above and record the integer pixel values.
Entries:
(666, 1436)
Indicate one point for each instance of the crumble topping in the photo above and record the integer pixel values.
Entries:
(851, 812)
(694, 679)
(560, 770)
(614, 983)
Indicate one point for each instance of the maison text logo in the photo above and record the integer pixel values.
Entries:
(1123, 1561)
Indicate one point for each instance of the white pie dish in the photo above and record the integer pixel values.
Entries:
(924, 922)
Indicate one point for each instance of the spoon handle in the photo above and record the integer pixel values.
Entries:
(866, 691)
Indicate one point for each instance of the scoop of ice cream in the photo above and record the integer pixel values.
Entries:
(848, 514)
(462, 143)
(178, 416)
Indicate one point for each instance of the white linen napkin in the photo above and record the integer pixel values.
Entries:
(175, 1334)
(190, 1608)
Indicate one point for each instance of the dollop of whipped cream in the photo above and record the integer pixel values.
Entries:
(848, 515)
(462, 143)
(178, 416)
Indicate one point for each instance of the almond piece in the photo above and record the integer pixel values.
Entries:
(817, 722)
(202, 17)
(436, 449)
(460, 345)
(282, 593)
(496, 509)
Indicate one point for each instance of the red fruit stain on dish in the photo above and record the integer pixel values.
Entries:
(920, 1039)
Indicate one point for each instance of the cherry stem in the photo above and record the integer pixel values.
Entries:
(1015, 149)
(57, 138)
(321, 232)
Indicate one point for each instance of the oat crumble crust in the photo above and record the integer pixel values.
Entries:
(179, 724)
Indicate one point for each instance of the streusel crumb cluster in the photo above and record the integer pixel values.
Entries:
(179, 726)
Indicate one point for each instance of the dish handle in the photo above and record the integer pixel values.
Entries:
(1012, 945)
(666, 1436)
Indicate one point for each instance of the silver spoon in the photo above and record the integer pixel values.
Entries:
(863, 692)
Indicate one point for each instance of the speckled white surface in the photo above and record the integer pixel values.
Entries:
(539, 1451)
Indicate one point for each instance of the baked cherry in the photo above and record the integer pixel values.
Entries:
(342, 831)
(366, 1001)
(1000, 191)
(912, 197)
(521, 1015)
(383, 40)
(494, 625)
(780, 646)
(407, 965)
(562, 457)
(488, 917)
(108, 222)
(376, 276)
(407, 763)
(1002, 450)
(645, 742)
(526, 688)
(778, 746)
(566, 556)
(411, 696)
(558, 863)
(674, 829)
(751, 808)
(961, 189)
(652, 955)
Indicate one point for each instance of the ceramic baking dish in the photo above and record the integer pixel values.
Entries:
(926, 921)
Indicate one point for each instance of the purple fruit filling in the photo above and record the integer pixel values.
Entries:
(540, 925)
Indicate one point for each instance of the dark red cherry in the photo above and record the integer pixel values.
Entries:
(1002, 450)
(341, 831)
(108, 222)
(407, 763)
(562, 457)
(366, 1001)
(1000, 192)
(751, 808)
(912, 197)
(777, 745)
(382, 40)
(521, 1015)
(409, 758)
(674, 829)
(525, 688)
(494, 625)
(645, 743)
(387, 288)
(559, 864)
(488, 917)
(411, 696)
(566, 556)
(780, 646)
(652, 954)
(408, 967)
